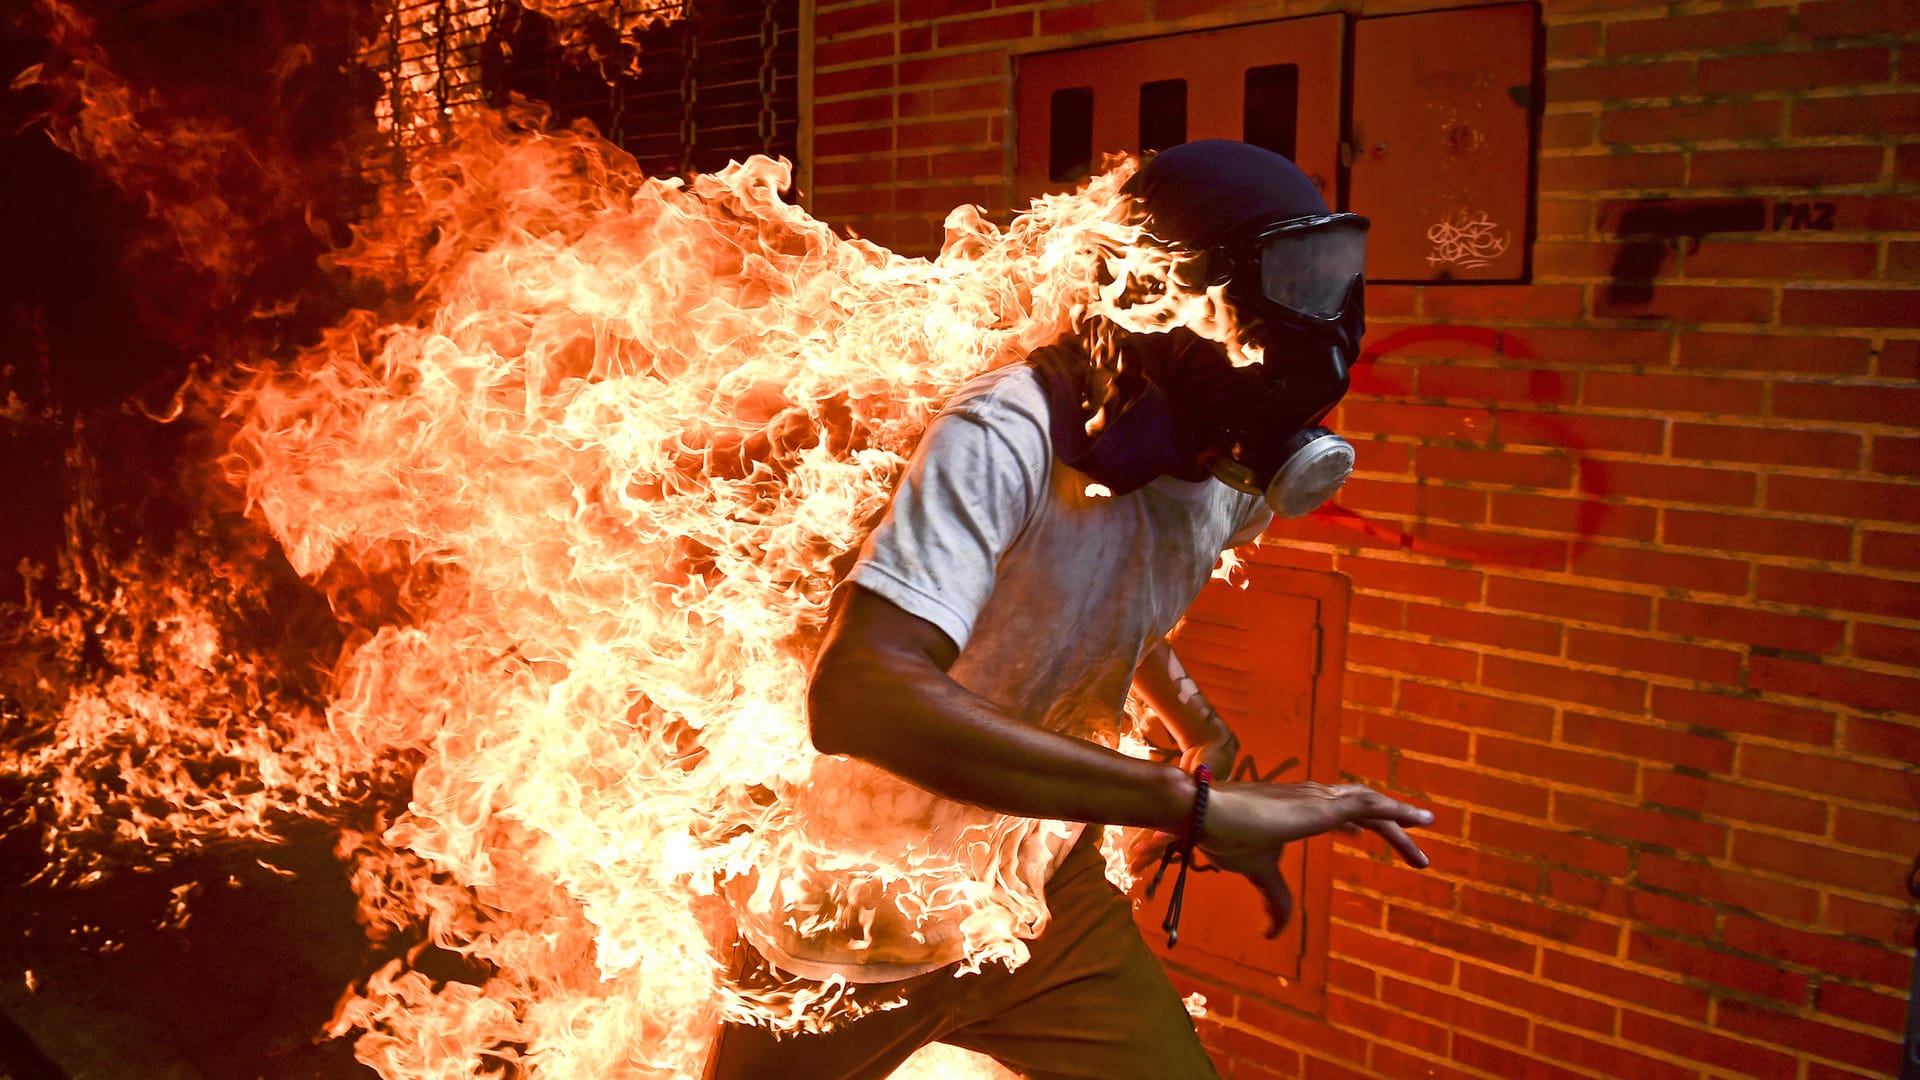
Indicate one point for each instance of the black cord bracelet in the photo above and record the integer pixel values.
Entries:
(1183, 851)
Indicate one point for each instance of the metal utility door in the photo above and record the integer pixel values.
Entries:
(1269, 657)
(1213, 84)
(1443, 122)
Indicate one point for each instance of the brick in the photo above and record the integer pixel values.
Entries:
(1874, 308)
(1506, 1063)
(842, 51)
(1673, 393)
(1567, 41)
(1645, 741)
(1588, 604)
(1475, 710)
(1576, 432)
(920, 11)
(1606, 1059)
(1856, 18)
(1888, 833)
(1425, 421)
(1890, 551)
(1673, 483)
(957, 67)
(1387, 1024)
(866, 111)
(1507, 468)
(1839, 591)
(1452, 1010)
(1634, 653)
(1638, 825)
(1533, 996)
(961, 132)
(1816, 354)
(1381, 380)
(1608, 979)
(1469, 787)
(1688, 303)
(1582, 518)
(1611, 172)
(1558, 683)
(1253, 1047)
(971, 97)
(1736, 802)
(1641, 348)
(1562, 130)
(1359, 910)
(1857, 114)
(1873, 500)
(1390, 1061)
(1768, 446)
(1506, 302)
(1903, 259)
(1691, 572)
(856, 141)
(1472, 863)
(1856, 781)
(853, 17)
(1834, 683)
(1718, 30)
(1873, 213)
(1728, 886)
(1499, 385)
(1697, 122)
(1792, 70)
(1480, 545)
(1895, 739)
(956, 33)
(1096, 16)
(1630, 81)
(1405, 733)
(1819, 863)
(1746, 624)
(1767, 536)
(1415, 579)
(1742, 1056)
(1723, 712)
(1869, 918)
(1565, 927)
(1384, 954)
(1493, 948)
(1823, 953)
(1297, 1028)
(1716, 966)
(1906, 156)
(1422, 502)
(1777, 260)
(1885, 1011)
(1367, 610)
(1504, 631)
(1898, 405)
(1411, 657)
(1879, 1053)
(1808, 168)
(1571, 767)
(1549, 845)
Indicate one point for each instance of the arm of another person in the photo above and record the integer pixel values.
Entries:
(1196, 726)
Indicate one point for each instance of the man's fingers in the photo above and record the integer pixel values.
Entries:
(1397, 838)
(1279, 900)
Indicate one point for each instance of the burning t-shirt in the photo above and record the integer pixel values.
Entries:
(1053, 591)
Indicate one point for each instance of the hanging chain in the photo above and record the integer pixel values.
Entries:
(396, 102)
(617, 80)
(769, 31)
(689, 88)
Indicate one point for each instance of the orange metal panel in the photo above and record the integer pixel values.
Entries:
(1443, 142)
(1270, 657)
(1214, 64)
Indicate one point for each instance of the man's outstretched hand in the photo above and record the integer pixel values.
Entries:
(1248, 823)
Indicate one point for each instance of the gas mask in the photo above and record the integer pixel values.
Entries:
(1292, 273)
(1297, 290)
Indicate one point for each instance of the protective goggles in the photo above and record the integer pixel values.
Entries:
(1310, 267)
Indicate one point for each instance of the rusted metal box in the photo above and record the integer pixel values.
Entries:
(1275, 83)
(1442, 142)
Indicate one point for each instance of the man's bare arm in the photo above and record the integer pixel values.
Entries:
(880, 692)
(1199, 730)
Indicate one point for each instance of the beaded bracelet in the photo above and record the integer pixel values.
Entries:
(1183, 851)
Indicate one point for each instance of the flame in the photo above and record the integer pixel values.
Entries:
(577, 499)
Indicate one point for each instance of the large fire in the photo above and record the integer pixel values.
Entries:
(578, 509)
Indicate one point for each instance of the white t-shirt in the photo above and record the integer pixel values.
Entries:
(1052, 595)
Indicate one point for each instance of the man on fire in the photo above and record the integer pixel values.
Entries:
(975, 672)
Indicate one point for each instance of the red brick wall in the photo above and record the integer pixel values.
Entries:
(1637, 599)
